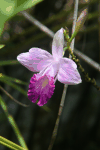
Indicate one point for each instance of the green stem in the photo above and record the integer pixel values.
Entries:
(12, 79)
(65, 48)
(10, 144)
(87, 78)
(14, 126)
(13, 85)
(4, 144)
(72, 37)
(9, 62)
(17, 132)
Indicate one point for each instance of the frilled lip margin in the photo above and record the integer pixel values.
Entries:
(42, 88)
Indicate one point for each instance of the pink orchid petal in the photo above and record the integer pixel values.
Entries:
(68, 73)
(52, 69)
(38, 52)
(58, 43)
(35, 60)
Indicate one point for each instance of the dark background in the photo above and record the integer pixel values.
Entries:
(79, 127)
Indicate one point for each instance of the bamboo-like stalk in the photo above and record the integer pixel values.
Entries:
(54, 134)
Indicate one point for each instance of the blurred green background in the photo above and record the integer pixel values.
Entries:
(79, 126)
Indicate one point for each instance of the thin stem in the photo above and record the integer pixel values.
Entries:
(37, 23)
(12, 98)
(21, 90)
(87, 78)
(12, 79)
(17, 132)
(54, 134)
(13, 124)
(9, 62)
(88, 60)
(74, 22)
(10, 144)
(7, 145)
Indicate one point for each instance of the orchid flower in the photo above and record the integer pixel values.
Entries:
(50, 68)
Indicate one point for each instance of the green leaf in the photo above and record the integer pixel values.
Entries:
(1, 46)
(25, 4)
(9, 8)
(10, 144)
(12, 79)
(13, 85)
(17, 132)
(5, 141)
(4, 107)
(9, 62)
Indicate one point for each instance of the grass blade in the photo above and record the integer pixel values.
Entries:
(14, 126)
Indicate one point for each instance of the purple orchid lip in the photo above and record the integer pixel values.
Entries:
(42, 88)
(56, 66)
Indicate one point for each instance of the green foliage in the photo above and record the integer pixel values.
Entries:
(1, 46)
(11, 120)
(9, 62)
(13, 85)
(12, 79)
(9, 80)
(9, 8)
